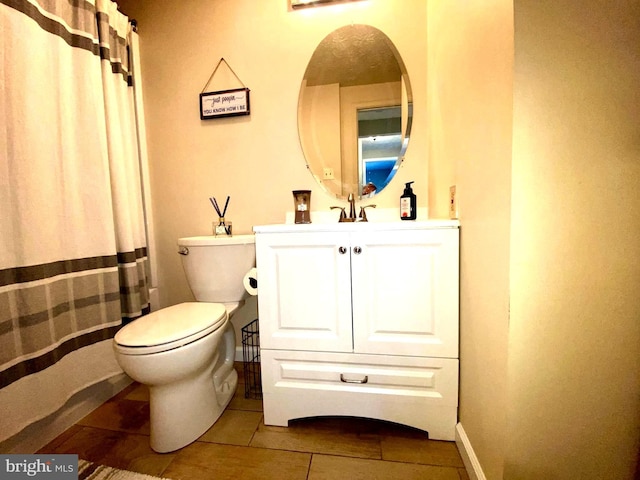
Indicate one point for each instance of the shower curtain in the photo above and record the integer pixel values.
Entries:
(73, 255)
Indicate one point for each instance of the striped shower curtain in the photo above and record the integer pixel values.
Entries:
(73, 256)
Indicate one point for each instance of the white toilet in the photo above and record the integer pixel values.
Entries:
(185, 353)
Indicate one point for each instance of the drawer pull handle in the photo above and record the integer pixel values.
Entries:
(342, 250)
(344, 380)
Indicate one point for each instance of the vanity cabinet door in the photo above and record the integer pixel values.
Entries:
(405, 292)
(304, 291)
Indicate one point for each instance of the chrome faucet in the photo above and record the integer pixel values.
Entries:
(352, 211)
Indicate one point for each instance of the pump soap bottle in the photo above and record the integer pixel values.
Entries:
(408, 203)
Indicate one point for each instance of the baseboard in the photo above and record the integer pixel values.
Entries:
(239, 356)
(154, 298)
(469, 458)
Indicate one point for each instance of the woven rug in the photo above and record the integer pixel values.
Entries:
(92, 471)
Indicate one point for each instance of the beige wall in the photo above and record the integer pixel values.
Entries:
(546, 164)
(257, 159)
(470, 75)
(550, 264)
(574, 340)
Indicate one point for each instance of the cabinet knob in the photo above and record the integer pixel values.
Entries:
(342, 250)
(357, 250)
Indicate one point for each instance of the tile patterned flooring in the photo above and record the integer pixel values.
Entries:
(240, 446)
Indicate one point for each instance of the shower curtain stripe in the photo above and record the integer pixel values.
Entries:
(38, 272)
(70, 30)
(25, 285)
(74, 264)
(37, 364)
(74, 24)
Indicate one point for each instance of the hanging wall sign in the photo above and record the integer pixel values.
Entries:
(226, 103)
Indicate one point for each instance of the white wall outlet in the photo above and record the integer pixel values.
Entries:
(453, 203)
(328, 174)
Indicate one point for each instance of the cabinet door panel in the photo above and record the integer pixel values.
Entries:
(405, 293)
(304, 292)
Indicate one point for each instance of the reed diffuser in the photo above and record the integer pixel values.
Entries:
(223, 227)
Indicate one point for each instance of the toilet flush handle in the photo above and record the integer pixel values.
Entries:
(183, 251)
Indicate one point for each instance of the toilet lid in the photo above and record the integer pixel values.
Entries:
(169, 325)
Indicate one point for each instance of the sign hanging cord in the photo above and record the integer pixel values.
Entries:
(216, 69)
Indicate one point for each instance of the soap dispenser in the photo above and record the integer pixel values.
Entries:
(408, 203)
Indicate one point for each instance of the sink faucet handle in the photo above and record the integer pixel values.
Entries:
(343, 215)
(363, 213)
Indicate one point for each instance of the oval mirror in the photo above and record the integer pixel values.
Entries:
(354, 111)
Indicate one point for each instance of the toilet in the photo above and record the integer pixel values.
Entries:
(185, 353)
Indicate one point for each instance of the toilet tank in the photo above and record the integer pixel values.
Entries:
(216, 266)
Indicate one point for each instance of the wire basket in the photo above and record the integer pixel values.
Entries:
(251, 358)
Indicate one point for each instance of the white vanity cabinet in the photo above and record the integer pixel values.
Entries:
(360, 320)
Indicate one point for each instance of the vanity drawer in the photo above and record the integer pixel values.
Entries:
(415, 391)
(433, 378)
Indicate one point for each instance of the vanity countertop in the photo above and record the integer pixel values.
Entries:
(356, 226)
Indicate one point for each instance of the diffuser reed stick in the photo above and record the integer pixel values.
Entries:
(222, 227)
(214, 202)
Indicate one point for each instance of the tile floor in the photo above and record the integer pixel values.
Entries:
(240, 446)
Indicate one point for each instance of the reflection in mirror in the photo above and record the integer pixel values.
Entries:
(379, 147)
(355, 111)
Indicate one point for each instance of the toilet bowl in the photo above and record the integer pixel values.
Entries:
(185, 353)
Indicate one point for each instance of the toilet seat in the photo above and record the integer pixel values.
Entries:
(170, 328)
